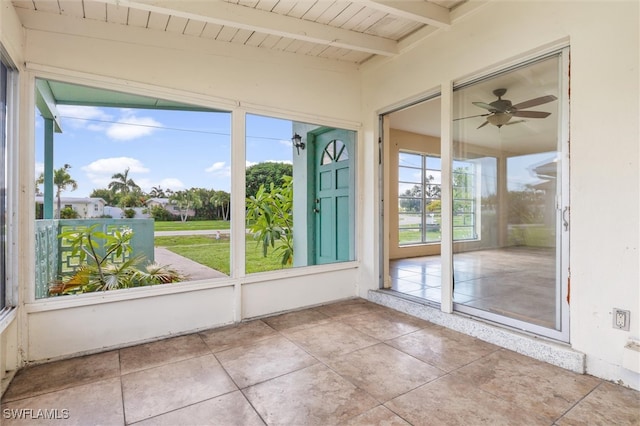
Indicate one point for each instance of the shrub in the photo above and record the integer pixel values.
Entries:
(68, 213)
(129, 213)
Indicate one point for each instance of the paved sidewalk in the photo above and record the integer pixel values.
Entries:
(194, 270)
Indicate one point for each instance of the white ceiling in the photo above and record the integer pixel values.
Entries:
(352, 31)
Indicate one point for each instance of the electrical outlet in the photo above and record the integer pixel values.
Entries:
(621, 319)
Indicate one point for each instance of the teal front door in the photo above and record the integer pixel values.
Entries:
(333, 203)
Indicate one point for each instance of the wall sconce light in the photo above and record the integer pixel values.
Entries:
(296, 140)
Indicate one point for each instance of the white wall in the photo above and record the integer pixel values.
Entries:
(188, 70)
(604, 128)
(12, 43)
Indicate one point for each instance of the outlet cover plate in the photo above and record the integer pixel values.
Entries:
(621, 319)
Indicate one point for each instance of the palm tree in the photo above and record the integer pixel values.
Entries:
(222, 199)
(62, 179)
(157, 192)
(123, 184)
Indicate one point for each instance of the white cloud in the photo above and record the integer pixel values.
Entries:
(39, 169)
(174, 184)
(250, 163)
(80, 116)
(100, 171)
(127, 127)
(215, 167)
(131, 127)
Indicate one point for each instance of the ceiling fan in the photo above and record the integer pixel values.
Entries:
(502, 110)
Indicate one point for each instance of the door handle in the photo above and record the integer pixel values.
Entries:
(565, 220)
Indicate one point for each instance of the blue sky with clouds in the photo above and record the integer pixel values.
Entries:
(171, 149)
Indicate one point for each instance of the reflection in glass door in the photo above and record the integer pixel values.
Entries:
(509, 262)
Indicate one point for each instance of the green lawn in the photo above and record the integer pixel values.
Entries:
(206, 250)
(191, 225)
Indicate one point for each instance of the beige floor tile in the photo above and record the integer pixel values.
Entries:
(527, 383)
(158, 390)
(608, 404)
(385, 325)
(312, 396)
(58, 375)
(299, 320)
(229, 337)
(349, 307)
(231, 409)
(94, 403)
(263, 360)
(161, 352)
(442, 348)
(384, 372)
(451, 400)
(333, 339)
(379, 416)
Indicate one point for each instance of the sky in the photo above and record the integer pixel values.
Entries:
(169, 149)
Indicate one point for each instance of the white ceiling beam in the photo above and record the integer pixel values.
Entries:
(419, 11)
(233, 15)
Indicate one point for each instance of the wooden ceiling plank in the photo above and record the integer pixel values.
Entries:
(117, 14)
(421, 11)
(193, 28)
(178, 25)
(47, 6)
(71, 8)
(211, 31)
(138, 18)
(97, 11)
(256, 20)
(158, 21)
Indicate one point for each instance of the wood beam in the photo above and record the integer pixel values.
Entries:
(420, 11)
(247, 18)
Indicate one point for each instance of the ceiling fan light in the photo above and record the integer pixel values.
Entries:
(499, 119)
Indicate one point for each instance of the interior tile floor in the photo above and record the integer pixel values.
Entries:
(351, 362)
(517, 282)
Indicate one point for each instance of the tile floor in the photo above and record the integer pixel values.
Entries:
(351, 362)
(516, 282)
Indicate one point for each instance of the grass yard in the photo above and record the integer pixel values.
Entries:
(191, 225)
(208, 251)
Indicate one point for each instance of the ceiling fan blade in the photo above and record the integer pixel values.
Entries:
(471, 116)
(487, 106)
(531, 114)
(482, 125)
(534, 102)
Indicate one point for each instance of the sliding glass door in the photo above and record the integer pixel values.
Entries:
(509, 163)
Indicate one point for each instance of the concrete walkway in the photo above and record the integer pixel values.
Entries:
(193, 270)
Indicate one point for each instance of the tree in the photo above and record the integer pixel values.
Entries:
(62, 180)
(185, 200)
(107, 195)
(222, 200)
(122, 183)
(266, 174)
(157, 192)
(270, 214)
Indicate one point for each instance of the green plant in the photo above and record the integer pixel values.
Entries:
(129, 213)
(68, 213)
(271, 217)
(95, 249)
